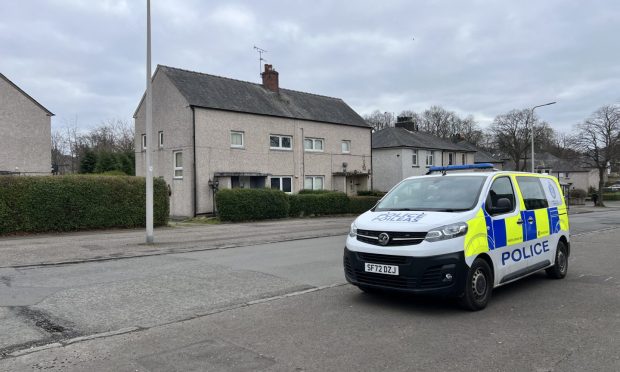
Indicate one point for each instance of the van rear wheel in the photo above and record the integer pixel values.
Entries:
(560, 268)
(478, 286)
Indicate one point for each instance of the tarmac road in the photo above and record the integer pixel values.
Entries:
(284, 307)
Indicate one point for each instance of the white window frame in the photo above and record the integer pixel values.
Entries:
(430, 155)
(144, 142)
(280, 147)
(281, 178)
(314, 178)
(160, 139)
(175, 166)
(235, 146)
(314, 141)
(348, 145)
(414, 158)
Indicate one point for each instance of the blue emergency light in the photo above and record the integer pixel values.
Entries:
(447, 168)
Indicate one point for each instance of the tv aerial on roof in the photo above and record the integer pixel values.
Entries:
(260, 58)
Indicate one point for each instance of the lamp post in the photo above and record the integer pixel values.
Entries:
(149, 124)
(533, 108)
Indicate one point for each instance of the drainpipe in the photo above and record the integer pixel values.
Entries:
(372, 171)
(303, 160)
(195, 176)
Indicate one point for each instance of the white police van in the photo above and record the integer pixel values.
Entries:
(460, 234)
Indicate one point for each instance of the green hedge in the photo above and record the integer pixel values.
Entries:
(68, 203)
(361, 204)
(251, 204)
(371, 193)
(318, 204)
(611, 196)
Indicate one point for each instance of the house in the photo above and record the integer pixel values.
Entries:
(214, 132)
(402, 151)
(481, 156)
(25, 132)
(571, 172)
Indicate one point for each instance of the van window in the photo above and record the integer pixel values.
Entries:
(501, 188)
(446, 194)
(533, 192)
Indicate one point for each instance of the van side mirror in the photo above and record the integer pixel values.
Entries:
(503, 205)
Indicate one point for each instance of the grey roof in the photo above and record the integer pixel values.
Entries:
(480, 156)
(546, 160)
(401, 137)
(48, 112)
(216, 92)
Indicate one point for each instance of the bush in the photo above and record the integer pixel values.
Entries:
(606, 197)
(361, 204)
(371, 193)
(317, 204)
(578, 193)
(314, 191)
(251, 204)
(69, 203)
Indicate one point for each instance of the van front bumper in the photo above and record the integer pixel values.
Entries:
(438, 275)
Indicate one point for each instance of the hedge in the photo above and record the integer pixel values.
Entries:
(361, 204)
(318, 204)
(611, 196)
(69, 203)
(251, 204)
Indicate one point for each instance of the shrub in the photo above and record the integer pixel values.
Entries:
(606, 197)
(68, 203)
(315, 191)
(578, 193)
(251, 204)
(317, 204)
(361, 204)
(371, 193)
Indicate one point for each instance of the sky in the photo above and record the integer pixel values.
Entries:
(84, 60)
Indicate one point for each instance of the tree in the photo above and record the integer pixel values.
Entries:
(88, 162)
(598, 139)
(379, 120)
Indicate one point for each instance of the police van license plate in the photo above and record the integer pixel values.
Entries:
(381, 269)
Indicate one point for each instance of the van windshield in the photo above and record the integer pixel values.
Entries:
(445, 194)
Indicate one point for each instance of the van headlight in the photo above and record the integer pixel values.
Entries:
(447, 232)
(353, 230)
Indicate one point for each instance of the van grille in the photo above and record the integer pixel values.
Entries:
(396, 237)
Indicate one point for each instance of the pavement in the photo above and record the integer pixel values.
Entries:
(51, 249)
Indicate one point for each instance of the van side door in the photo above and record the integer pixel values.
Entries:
(539, 239)
(504, 231)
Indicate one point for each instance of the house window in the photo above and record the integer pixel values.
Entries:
(236, 139)
(313, 144)
(450, 158)
(277, 142)
(144, 142)
(429, 157)
(414, 158)
(463, 159)
(178, 164)
(161, 139)
(313, 183)
(284, 183)
(346, 146)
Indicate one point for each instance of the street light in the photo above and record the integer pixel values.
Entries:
(533, 108)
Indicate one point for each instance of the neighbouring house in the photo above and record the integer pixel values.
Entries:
(25, 132)
(214, 132)
(402, 151)
(481, 156)
(571, 172)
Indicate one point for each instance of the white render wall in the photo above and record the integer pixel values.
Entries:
(392, 165)
(25, 133)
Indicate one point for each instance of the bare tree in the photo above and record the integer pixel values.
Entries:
(511, 133)
(598, 138)
(379, 120)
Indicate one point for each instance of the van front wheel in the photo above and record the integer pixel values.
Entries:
(478, 286)
(560, 268)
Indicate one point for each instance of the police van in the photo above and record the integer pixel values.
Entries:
(460, 231)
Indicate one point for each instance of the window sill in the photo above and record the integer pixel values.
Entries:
(306, 150)
(177, 178)
(238, 147)
(415, 166)
(280, 149)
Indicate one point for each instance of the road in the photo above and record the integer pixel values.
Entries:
(285, 307)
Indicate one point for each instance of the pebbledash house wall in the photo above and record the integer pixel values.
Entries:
(25, 133)
(214, 154)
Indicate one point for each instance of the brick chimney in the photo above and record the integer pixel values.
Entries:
(270, 78)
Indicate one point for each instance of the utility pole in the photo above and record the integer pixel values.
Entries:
(149, 129)
(533, 108)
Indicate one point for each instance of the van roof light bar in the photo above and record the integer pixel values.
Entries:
(448, 168)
